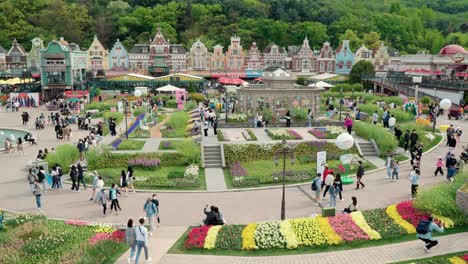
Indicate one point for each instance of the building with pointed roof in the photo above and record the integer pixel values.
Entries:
(198, 58)
(363, 53)
(159, 55)
(33, 58)
(235, 55)
(344, 59)
(381, 58)
(274, 56)
(118, 57)
(97, 59)
(16, 59)
(218, 59)
(326, 59)
(3, 53)
(254, 62)
(304, 59)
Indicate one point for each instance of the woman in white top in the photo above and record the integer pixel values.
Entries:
(99, 186)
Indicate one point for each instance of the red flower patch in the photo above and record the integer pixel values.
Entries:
(196, 237)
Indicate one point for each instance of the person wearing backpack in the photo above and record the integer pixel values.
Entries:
(424, 230)
(151, 211)
(316, 187)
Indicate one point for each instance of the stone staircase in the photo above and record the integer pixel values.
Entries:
(367, 149)
(212, 157)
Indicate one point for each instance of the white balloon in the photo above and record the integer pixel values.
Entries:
(445, 104)
(344, 141)
(137, 93)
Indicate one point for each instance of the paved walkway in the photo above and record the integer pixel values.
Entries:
(380, 254)
(156, 130)
(214, 178)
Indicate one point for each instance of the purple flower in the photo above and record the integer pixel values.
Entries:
(167, 144)
(144, 163)
(295, 134)
(316, 133)
(236, 170)
(317, 144)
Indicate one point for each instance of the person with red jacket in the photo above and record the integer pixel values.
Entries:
(326, 171)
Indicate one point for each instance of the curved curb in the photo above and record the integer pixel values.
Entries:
(7, 128)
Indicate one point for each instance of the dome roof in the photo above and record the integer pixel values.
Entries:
(452, 49)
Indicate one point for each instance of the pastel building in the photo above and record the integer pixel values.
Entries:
(344, 59)
(218, 59)
(33, 58)
(363, 53)
(199, 59)
(118, 57)
(274, 56)
(381, 58)
(15, 59)
(138, 58)
(304, 59)
(3, 53)
(63, 67)
(235, 56)
(177, 60)
(159, 55)
(253, 62)
(97, 57)
(326, 59)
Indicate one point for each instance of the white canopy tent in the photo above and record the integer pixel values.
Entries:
(167, 88)
(321, 84)
(323, 76)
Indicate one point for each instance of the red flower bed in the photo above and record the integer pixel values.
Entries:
(410, 214)
(465, 257)
(76, 223)
(345, 227)
(118, 236)
(196, 237)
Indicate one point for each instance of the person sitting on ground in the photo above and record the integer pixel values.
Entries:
(212, 218)
(352, 207)
(40, 155)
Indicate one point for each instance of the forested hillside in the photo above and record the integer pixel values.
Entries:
(407, 25)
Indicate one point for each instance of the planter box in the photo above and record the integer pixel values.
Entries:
(462, 198)
(328, 211)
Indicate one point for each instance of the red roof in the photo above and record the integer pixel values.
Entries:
(234, 81)
(452, 49)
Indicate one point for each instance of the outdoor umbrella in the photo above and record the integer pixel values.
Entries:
(73, 100)
(167, 88)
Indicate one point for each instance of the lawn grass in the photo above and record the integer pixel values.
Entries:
(176, 125)
(131, 145)
(400, 157)
(169, 144)
(434, 260)
(178, 247)
(152, 179)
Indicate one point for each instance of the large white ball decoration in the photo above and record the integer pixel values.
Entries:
(445, 104)
(137, 93)
(344, 141)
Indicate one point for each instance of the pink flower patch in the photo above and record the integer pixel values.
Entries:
(465, 257)
(76, 223)
(196, 237)
(117, 236)
(345, 227)
(410, 214)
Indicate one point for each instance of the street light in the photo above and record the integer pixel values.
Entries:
(285, 151)
(125, 114)
(341, 100)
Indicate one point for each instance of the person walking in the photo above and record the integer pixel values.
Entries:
(19, 145)
(451, 171)
(439, 166)
(385, 118)
(142, 240)
(450, 132)
(414, 178)
(398, 133)
(74, 178)
(375, 118)
(155, 201)
(130, 239)
(452, 143)
(205, 128)
(413, 139)
(458, 133)
(113, 196)
(396, 171)
(316, 188)
(339, 183)
(99, 187)
(102, 200)
(359, 174)
(81, 176)
(334, 191)
(123, 182)
(424, 231)
(391, 123)
(389, 165)
(95, 181)
(151, 211)
(328, 182)
(288, 119)
(55, 178)
(406, 139)
(37, 193)
(130, 178)
(42, 178)
(81, 149)
(215, 126)
(31, 180)
(348, 123)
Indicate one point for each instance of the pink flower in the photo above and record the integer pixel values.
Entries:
(117, 236)
(76, 223)
(410, 214)
(345, 227)
(316, 133)
(196, 237)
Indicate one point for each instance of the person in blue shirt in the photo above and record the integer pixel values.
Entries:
(151, 211)
(427, 238)
(334, 191)
(113, 197)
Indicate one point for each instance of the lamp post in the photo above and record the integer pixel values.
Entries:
(341, 100)
(284, 151)
(125, 114)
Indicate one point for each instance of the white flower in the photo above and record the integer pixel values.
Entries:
(191, 171)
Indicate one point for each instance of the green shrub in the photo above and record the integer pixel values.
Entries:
(100, 106)
(161, 118)
(252, 135)
(97, 115)
(114, 115)
(385, 140)
(299, 114)
(171, 103)
(138, 111)
(440, 199)
(197, 97)
(175, 174)
(189, 106)
(138, 133)
(176, 125)
(131, 145)
(347, 87)
(65, 155)
(220, 135)
(190, 151)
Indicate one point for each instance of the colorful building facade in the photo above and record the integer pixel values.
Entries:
(363, 53)
(198, 58)
(177, 60)
(381, 58)
(344, 59)
(235, 56)
(118, 57)
(97, 57)
(15, 59)
(138, 58)
(218, 59)
(254, 62)
(326, 59)
(33, 58)
(304, 59)
(3, 53)
(274, 56)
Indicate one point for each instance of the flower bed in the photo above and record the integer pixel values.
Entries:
(280, 134)
(32, 239)
(144, 163)
(236, 118)
(131, 145)
(315, 231)
(330, 132)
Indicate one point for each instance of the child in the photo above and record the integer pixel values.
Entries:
(396, 170)
(439, 166)
(414, 178)
(103, 200)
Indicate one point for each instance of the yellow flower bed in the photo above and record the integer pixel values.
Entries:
(457, 260)
(210, 240)
(308, 232)
(287, 231)
(448, 223)
(360, 221)
(332, 237)
(392, 212)
(248, 239)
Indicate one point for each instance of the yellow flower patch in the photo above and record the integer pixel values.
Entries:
(457, 260)
(332, 237)
(360, 221)
(392, 212)
(308, 232)
(248, 239)
(448, 223)
(288, 233)
(210, 240)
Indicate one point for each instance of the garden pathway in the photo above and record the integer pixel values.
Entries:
(381, 254)
(156, 130)
(214, 177)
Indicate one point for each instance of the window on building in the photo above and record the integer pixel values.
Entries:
(234, 52)
(322, 67)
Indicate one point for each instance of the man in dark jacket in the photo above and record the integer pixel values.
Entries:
(212, 218)
(406, 138)
(81, 149)
(413, 139)
(398, 133)
(359, 174)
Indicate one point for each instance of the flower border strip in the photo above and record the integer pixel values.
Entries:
(448, 223)
(288, 233)
(248, 237)
(456, 260)
(392, 212)
(347, 229)
(361, 222)
(332, 237)
(210, 239)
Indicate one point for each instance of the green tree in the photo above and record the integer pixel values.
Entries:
(354, 41)
(301, 81)
(315, 32)
(371, 40)
(361, 68)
